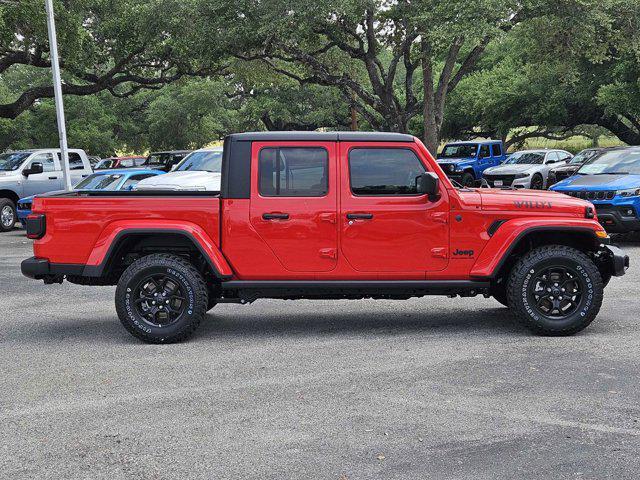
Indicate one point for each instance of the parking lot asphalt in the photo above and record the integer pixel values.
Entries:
(428, 388)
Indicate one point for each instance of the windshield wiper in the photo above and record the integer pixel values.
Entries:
(612, 173)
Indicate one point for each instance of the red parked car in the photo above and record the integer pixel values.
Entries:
(325, 216)
(120, 162)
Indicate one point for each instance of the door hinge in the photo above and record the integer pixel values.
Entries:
(329, 253)
(440, 217)
(440, 252)
(328, 217)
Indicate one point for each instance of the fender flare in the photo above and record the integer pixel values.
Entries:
(509, 234)
(111, 236)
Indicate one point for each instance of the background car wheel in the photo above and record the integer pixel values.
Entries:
(555, 290)
(7, 215)
(537, 183)
(468, 180)
(161, 298)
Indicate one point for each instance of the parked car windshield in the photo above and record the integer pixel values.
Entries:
(202, 161)
(619, 161)
(582, 157)
(461, 150)
(526, 158)
(158, 159)
(100, 182)
(11, 161)
(103, 164)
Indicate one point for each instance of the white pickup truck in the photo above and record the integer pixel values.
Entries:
(29, 172)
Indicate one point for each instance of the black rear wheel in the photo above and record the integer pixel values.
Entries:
(555, 290)
(161, 298)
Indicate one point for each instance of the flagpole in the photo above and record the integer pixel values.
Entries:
(57, 89)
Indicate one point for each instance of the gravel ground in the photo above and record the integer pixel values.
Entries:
(427, 388)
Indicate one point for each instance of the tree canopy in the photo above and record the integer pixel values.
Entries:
(180, 74)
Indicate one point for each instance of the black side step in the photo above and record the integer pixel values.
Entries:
(251, 290)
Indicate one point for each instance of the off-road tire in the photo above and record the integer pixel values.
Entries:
(180, 271)
(529, 267)
(467, 180)
(6, 203)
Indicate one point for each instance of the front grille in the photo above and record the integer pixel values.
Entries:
(507, 180)
(592, 195)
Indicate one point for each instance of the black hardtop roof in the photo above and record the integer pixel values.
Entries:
(321, 137)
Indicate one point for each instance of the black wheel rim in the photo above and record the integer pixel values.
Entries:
(556, 292)
(159, 300)
(468, 181)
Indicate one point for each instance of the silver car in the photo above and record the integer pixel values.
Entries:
(526, 169)
(198, 171)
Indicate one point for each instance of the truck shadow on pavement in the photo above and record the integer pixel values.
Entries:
(227, 324)
(369, 322)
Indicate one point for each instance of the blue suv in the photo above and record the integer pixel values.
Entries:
(611, 181)
(464, 162)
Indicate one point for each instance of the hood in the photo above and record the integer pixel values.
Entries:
(511, 169)
(567, 168)
(199, 181)
(454, 160)
(530, 201)
(26, 199)
(599, 182)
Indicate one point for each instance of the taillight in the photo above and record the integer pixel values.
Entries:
(36, 226)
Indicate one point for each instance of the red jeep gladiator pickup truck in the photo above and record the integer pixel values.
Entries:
(304, 215)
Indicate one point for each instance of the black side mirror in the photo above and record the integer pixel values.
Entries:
(36, 167)
(428, 184)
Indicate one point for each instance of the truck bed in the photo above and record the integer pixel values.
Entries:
(80, 226)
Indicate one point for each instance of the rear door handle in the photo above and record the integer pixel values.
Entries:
(53, 178)
(275, 216)
(359, 216)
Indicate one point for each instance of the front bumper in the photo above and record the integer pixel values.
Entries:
(618, 261)
(613, 219)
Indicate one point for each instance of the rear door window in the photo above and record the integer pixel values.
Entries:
(293, 172)
(496, 150)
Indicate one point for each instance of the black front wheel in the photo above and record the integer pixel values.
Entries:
(468, 180)
(555, 290)
(537, 183)
(161, 298)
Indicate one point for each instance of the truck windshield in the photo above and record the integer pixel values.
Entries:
(202, 161)
(12, 161)
(527, 158)
(461, 150)
(619, 161)
(100, 182)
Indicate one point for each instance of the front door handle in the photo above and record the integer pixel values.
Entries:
(53, 178)
(359, 216)
(275, 216)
